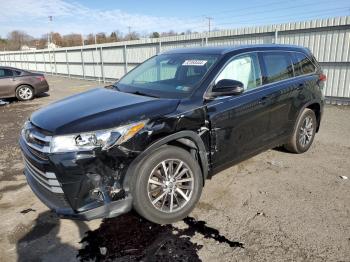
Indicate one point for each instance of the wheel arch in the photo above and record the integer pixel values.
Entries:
(314, 106)
(188, 140)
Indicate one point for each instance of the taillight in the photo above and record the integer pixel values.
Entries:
(40, 78)
(322, 77)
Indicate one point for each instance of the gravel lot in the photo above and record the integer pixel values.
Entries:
(273, 207)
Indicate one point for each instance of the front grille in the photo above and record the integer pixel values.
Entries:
(38, 154)
(37, 140)
(56, 201)
(47, 180)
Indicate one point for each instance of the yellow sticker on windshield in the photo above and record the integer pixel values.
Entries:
(194, 62)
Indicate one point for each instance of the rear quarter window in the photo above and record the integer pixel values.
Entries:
(303, 64)
(278, 66)
(17, 73)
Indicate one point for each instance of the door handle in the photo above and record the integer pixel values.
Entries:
(264, 99)
(300, 86)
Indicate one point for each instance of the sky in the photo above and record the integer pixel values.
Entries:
(144, 17)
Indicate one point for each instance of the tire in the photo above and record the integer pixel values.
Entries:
(151, 170)
(24, 93)
(304, 133)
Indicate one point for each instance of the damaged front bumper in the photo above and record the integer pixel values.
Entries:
(77, 185)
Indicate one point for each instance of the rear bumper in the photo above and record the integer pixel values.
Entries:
(42, 88)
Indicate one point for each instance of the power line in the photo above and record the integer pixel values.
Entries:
(263, 19)
(238, 13)
(269, 19)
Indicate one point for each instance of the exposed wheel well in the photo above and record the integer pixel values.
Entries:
(190, 146)
(317, 110)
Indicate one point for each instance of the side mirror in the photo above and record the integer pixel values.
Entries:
(227, 87)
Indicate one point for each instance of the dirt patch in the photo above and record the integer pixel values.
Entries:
(12, 187)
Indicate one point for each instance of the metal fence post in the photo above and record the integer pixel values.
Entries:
(102, 70)
(67, 63)
(21, 58)
(36, 65)
(28, 63)
(99, 77)
(125, 60)
(93, 63)
(44, 62)
(54, 60)
(50, 62)
(160, 46)
(82, 61)
(276, 36)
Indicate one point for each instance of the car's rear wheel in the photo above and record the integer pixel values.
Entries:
(304, 133)
(24, 93)
(168, 185)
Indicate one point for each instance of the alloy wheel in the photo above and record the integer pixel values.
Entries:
(25, 93)
(306, 131)
(170, 185)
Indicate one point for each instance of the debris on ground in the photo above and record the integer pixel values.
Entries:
(25, 211)
(275, 163)
(3, 102)
(260, 214)
(103, 251)
(343, 177)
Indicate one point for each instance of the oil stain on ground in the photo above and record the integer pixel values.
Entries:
(132, 238)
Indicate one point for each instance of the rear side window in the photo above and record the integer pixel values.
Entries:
(303, 65)
(5, 72)
(16, 73)
(278, 66)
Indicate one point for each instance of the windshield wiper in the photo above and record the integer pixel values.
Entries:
(113, 86)
(116, 87)
(143, 94)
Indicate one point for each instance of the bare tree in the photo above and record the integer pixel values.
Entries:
(57, 39)
(132, 36)
(72, 40)
(116, 36)
(17, 38)
(101, 38)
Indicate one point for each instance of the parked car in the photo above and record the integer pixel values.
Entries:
(151, 140)
(20, 83)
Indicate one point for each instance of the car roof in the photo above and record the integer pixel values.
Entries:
(12, 68)
(221, 50)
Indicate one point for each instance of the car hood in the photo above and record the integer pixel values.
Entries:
(97, 109)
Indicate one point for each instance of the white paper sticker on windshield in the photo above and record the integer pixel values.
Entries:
(194, 62)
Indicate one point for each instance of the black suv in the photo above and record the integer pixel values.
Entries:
(151, 140)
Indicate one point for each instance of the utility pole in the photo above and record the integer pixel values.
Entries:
(129, 29)
(49, 34)
(209, 22)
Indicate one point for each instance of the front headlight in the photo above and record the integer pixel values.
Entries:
(103, 139)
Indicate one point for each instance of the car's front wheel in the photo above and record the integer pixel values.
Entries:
(167, 186)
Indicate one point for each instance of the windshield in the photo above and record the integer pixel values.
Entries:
(168, 75)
